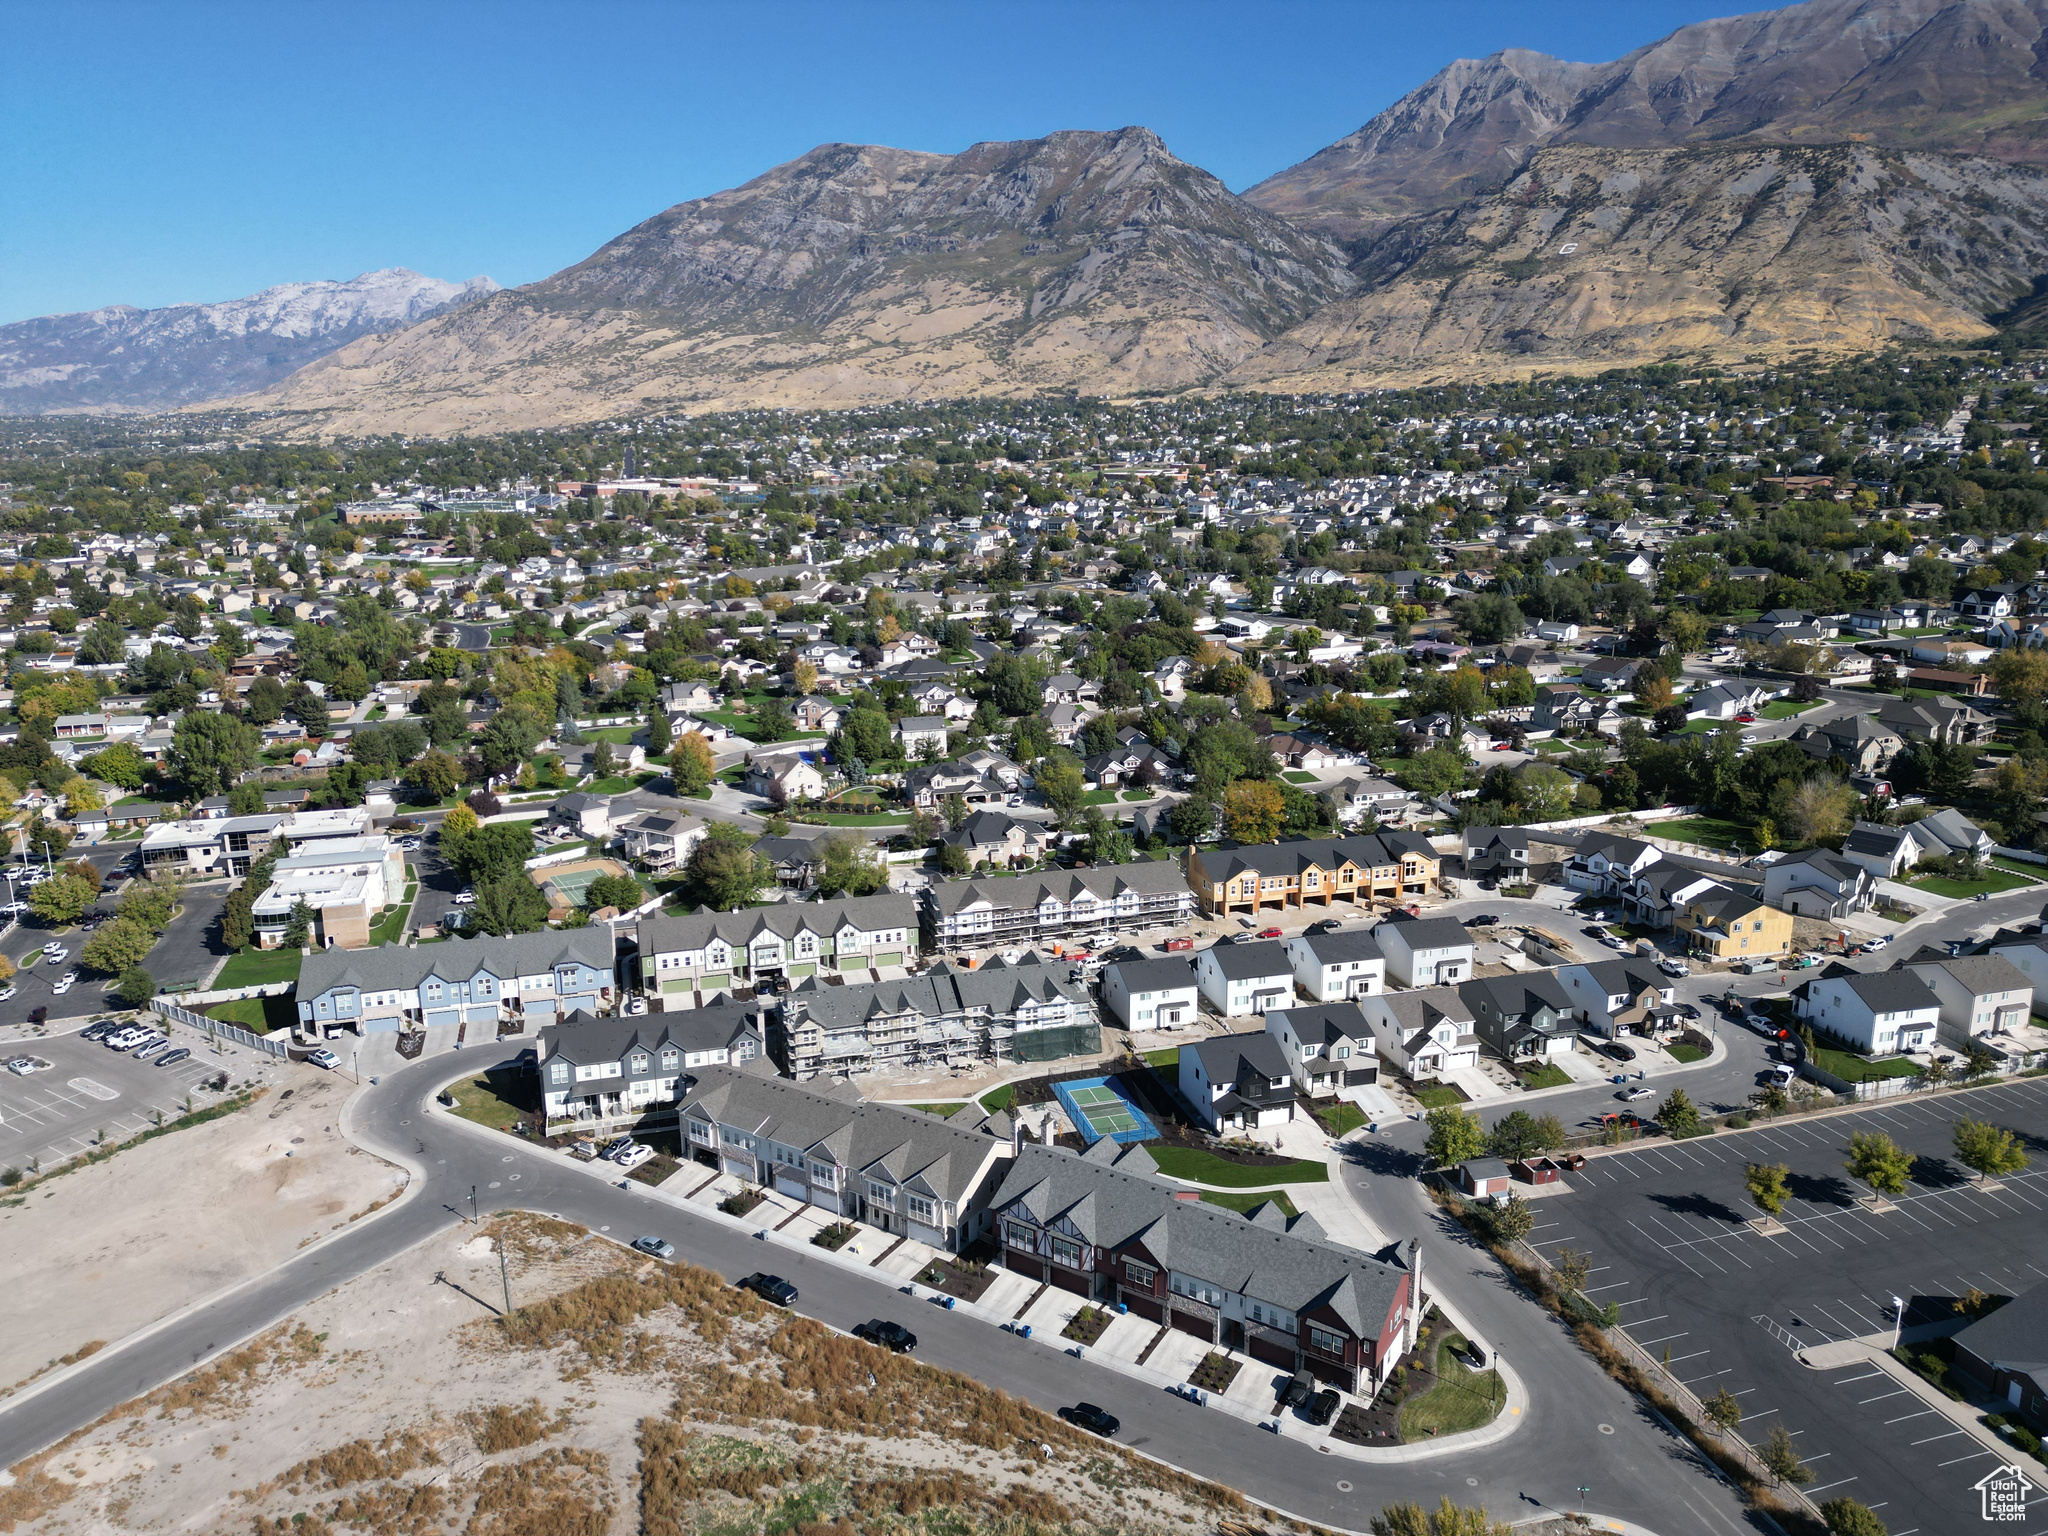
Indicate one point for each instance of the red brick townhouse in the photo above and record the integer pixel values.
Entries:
(1273, 1288)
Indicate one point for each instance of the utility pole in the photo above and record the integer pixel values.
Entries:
(474, 1221)
(505, 1275)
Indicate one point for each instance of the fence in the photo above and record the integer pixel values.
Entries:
(217, 1030)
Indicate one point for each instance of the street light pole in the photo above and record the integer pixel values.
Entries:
(473, 1218)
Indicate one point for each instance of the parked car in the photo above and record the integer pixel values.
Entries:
(1483, 920)
(655, 1246)
(614, 1147)
(65, 983)
(1879, 942)
(1613, 942)
(6, 992)
(634, 1156)
(634, 1006)
(324, 1059)
(1685, 1010)
(99, 1031)
(465, 898)
(1327, 925)
(770, 1288)
(1322, 1408)
(893, 1337)
(172, 1058)
(1269, 933)
(1616, 1050)
(149, 1048)
(1671, 967)
(55, 954)
(1093, 1419)
(24, 1066)
(1632, 1094)
(1297, 1392)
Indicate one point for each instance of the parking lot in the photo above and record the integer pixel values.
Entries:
(1667, 1226)
(89, 1092)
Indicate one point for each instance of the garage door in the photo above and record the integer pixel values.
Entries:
(1147, 1307)
(1025, 1264)
(1360, 1075)
(1068, 1280)
(791, 1185)
(1272, 1351)
(1200, 1327)
(442, 1016)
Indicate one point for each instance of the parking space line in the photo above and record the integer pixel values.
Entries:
(1959, 1460)
(1838, 1483)
(1950, 1435)
(1866, 1376)
(1902, 1418)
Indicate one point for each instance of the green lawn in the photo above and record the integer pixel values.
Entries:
(880, 819)
(996, 1100)
(1549, 1075)
(1707, 831)
(1099, 797)
(617, 735)
(1460, 1400)
(1437, 1095)
(1861, 1069)
(388, 928)
(261, 1014)
(1785, 709)
(1138, 794)
(1555, 746)
(943, 1111)
(1296, 776)
(1686, 1053)
(1250, 1200)
(496, 1099)
(1198, 1167)
(1702, 727)
(259, 967)
(2014, 866)
(1994, 881)
(1339, 1118)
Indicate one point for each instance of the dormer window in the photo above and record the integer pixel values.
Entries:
(638, 1062)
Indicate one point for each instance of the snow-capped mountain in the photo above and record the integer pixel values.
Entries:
(124, 358)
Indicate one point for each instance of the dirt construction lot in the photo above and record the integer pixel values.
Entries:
(101, 1251)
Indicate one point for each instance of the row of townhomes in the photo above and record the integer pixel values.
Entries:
(597, 1073)
(488, 987)
(948, 1016)
(687, 959)
(1303, 872)
(1026, 909)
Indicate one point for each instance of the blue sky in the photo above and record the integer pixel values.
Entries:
(161, 152)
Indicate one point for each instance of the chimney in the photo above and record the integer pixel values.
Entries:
(1016, 1134)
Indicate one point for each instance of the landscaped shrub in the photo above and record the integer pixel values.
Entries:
(741, 1203)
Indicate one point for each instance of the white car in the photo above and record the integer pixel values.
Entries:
(70, 980)
(634, 1156)
(1674, 967)
(14, 908)
(56, 953)
(22, 1066)
(324, 1059)
(6, 992)
(1879, 942)
(465, 898)
(634, 1005)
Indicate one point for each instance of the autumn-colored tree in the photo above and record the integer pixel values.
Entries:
(1254, 811)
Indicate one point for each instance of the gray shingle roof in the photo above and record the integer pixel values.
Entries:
(1113, 1207)
(2015, 1336)
(1892, 991)
(666, 932)
(1152, 975)
(1986, 973)
(905, 1144)
(394, 967)
(1372, 851)
(1343, 947)
(996, 988)
(1222, 1055)
(1248, 962)
(1009, 893)
(1424, 933)
(1325, 1023)
(585, 1039)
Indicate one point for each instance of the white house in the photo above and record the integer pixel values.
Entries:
(1979, 995)
(1606, 865)
(1330, 967)
(919, 732)
(1550, 629)
(1425, 951)
(1237, 1082)
(1724, 701)
(1245, 978)
(1887, 852)
(1616, 997)
(1151, 994)
(1817, 883)
(1426, 1034)
(1327, 1047)
(1878, 1012)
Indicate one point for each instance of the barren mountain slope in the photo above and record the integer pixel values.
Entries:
(124, 358)
(1595, 258)
(1953, 74)
(1094, 261)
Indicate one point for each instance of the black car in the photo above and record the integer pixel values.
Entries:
(1322, 1408)
(1327, 925)
(893, 1337)
(770, 1288)
(98, 1031)
(1483, 920)
(1297, 1392)
(1616, 1050)
(1091, 1418)
(1594, 932)
(172, 1057)
(1686, 1011)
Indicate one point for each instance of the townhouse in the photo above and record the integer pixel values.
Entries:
(1273, 1287)
(1516, 854)
(604, 1074)
(1426, 1034)
(1300, 872)
(1024, 909)
(1425, 951)
(1327, 1047)
(948, 1016)
(688, 957)
(1241, 1082)
(1879, 1013)
(908, 1173)
(1333, 966)
(1247, 977)
(487, 986)
(1151, 994)
(1978, 994)
(1605, 865)
(1619, 997)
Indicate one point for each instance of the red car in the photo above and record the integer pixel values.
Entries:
(1745, 719)
(1269, 933)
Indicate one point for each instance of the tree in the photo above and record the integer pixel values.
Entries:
(136, 987)
(433, 777)
(1573, 1268)
(851, 866)
(1519, 1134)
(1781, 1457)
(773, 722)
(1543, 792)
(264, 701)
(154, 903)
(509, 903)
(1514, 1221)
(298, 925)
(1678, 1116)
(864, 734)
(1846, 1517)
(620, 891)
(63, 899)
(1490, 618)
(1988, 1150)
(501, 848)
(1059, 783)
(1879, 1162)
(1193, 819)
(953, 859)
(79, 795)
(1447, 1519)
(246, 799)
(87, 871)
(692, 764)
(658, 734)
(117, 947)
(724, 870)
(211, 751)
(120, 765)
(1766, 1185)
(1724, 1411)
(1454, 1136)
(603, 760)
(1819, 810)
(45, 839)
(1254, 811)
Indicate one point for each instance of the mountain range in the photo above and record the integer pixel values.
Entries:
(1823, 179)
(124, 358)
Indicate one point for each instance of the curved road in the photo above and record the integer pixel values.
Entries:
(1581, 1429)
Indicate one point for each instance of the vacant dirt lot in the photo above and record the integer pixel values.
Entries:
(622, 1395)
(104, 1250)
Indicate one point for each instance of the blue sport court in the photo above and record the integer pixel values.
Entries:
(1098, 1109)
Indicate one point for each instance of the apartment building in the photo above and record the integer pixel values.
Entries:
(1271, 1286)
(604, 1074)
(1031, 909)
(689, 958)
(1379, 866)
(901, 1170)
(346, 881)
(228, 845)
(490, 986)
(948, 1016)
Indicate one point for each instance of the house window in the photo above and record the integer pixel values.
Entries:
(922, 1211)
(1139, 1274)
(1066, 1253)
(559, 1072)
(881, 1194)
(639, 1062)
(669, 1060)
(1019, 1235)
(1324, 1341)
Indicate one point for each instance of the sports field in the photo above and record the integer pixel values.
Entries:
(1098, 1110)
(567, 885)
